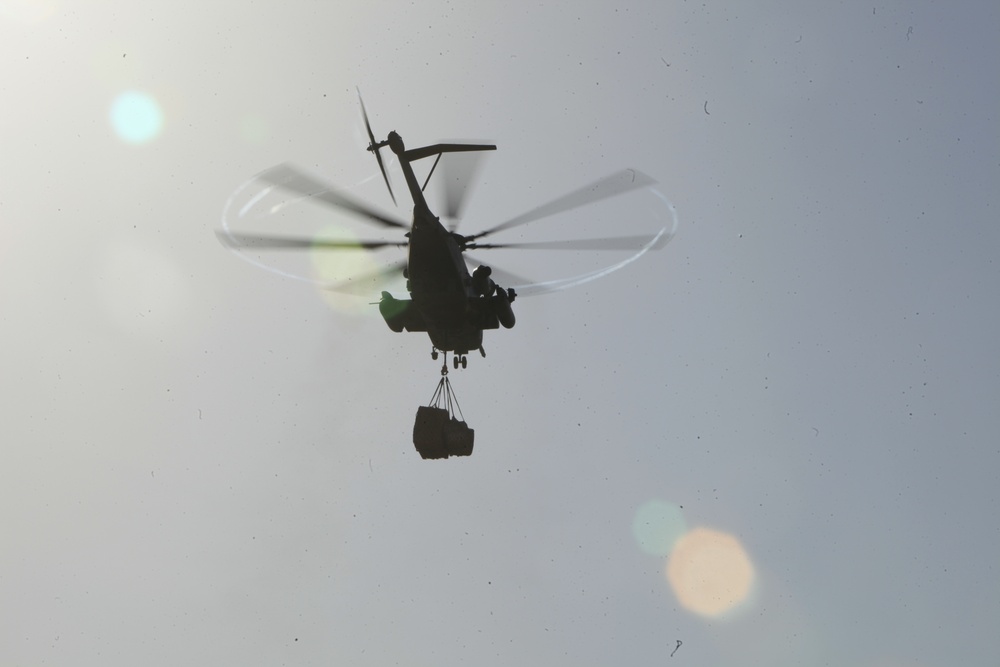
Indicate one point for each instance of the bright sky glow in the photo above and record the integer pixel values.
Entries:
(28, 12)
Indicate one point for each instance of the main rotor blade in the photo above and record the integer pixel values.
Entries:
(240, 241)
(457, 172)
(610, 243)
(385, 174)
(364, 114)
(609, 186)
(290, 178)
(500, 276)
(374, 148)
(547, 286)
(368, 283)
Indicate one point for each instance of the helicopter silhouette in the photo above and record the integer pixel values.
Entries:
(452, 305)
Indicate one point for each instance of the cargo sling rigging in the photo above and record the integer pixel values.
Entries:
(444, 396)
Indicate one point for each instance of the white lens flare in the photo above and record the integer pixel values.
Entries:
(136, 117)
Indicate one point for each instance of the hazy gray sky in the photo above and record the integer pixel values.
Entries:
(774, 440)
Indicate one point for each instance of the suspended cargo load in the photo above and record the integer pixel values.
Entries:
(438, 431)
(458, 438)
(428, 432)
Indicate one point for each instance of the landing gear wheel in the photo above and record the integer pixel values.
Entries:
(464, 361)
(454, 361)
(434, 354)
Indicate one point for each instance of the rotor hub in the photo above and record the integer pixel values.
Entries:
(396, 143)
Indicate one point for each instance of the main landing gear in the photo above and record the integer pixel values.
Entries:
(456, 361)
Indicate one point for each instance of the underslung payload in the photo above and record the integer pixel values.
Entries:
(439, 430)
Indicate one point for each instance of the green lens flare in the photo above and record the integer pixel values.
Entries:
(657, 526)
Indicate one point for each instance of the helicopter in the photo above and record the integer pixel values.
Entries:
(452, 305)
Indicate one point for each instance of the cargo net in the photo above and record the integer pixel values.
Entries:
(440, 430)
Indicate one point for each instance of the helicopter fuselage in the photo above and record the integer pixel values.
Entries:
(450, 304)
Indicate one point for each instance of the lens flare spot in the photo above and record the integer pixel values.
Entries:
(657, 526)
(254, 129)
(710, 572)
(338, 267)
(136, 117)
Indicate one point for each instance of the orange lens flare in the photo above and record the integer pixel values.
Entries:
(710, 572)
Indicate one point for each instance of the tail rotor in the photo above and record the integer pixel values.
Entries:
(374, 147)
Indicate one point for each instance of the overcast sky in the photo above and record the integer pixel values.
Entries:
(772, 442)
